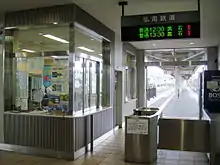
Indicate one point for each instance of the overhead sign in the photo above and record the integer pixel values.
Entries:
(174, 25)
(212, 91)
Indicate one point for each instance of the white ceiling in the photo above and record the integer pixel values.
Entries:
(108, 12)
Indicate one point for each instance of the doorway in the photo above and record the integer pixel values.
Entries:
(118, 93)
(181, 119)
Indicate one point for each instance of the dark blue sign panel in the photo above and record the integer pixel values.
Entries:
(212, 91)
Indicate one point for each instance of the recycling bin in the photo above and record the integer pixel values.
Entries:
(141, 136)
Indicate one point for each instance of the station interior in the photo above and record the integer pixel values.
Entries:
(109, 82)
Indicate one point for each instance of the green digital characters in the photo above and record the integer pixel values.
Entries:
(169, 31)
(180, 30)
(152, 32)
(161, 31)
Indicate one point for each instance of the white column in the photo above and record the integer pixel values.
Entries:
(141, 79)
(1, 98)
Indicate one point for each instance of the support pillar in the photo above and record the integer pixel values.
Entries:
(1, 98)
(141, 79)
(212, 57)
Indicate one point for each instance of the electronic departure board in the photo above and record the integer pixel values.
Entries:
(161, 26)
(161, 31)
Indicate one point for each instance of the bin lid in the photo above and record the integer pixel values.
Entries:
(145, 111)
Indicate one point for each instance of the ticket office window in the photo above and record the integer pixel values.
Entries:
(87, 78)
(130, 77)
(37, 69)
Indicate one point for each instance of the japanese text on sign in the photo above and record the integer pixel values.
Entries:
(159, 18)
(137, 126)
(164, 31)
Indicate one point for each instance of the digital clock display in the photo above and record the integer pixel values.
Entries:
(161, 31)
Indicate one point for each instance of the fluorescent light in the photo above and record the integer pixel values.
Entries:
(191, 43)
(56, 38)
(60, 57)
(8, 28)
(86, 49)
(29, 51)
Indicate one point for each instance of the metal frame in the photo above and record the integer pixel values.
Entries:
(91, 60)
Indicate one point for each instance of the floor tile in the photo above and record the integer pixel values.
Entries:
(186, 162)
(109, 152)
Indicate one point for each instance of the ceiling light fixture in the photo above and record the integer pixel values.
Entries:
(55, 38)
(86, 49)
(29, 51)
(100, 54)
(60, 57)
(8, 28)
(55, 23)
(191, 43)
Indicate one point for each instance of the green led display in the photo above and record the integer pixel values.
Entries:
(164, 31)
(152, 32)
(169, 31)
(158, 32)
(180, 30)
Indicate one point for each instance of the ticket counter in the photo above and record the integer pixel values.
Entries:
(57, 81)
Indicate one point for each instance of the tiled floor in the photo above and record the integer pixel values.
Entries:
(109, 152)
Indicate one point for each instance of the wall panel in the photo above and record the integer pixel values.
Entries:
(54, 133)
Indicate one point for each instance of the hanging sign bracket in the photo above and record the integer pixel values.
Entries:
(122, 4)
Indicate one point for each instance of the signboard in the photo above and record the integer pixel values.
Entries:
(57, 73)
(161, 26)
(137, 126)
(47, 75)
(212, 91)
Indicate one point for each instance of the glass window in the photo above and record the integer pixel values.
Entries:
(101, 84)
(93, 79)
(88, 48)
(78, 97)
(130, 79)
(87, 84)
(128, 84)
(37, 69)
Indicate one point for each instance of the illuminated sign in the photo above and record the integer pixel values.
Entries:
(212, 91)
(161, 26)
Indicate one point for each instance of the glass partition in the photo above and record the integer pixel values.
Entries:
(37, 69)
(78, 95)
(130, 77)
(88, 47)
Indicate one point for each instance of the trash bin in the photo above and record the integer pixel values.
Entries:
(141, 136)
